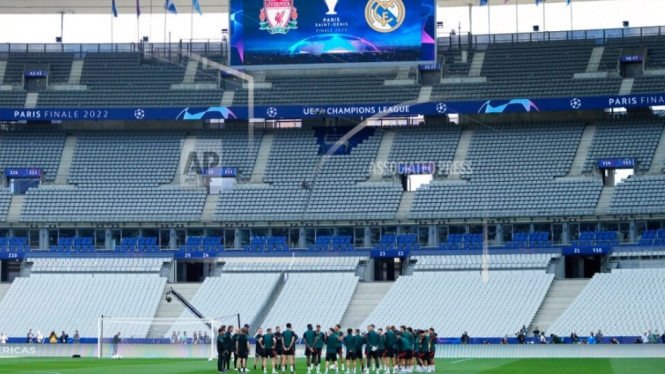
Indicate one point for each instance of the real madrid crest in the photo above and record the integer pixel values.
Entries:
(385, 15)
(278, 16)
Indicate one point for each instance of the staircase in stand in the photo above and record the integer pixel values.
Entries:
(4, 287)
(461, 151)
(659, 156)
(14, 213)
(261, 162)
(209, 207)
(66, 160)
(173, 309)
(383, 153)
(365, 298)
(561, 294)
(603, 205)
(594, 59)
(582, 151)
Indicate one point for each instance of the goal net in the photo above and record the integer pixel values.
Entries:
(159, 337)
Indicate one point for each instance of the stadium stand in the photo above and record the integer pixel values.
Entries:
(296, 264)
(97, 265)
(268, 244)
(313, 90)
(652, 237)
(616, 302)
(39, 149)
(636, 138)
(116, 172)
(496, 261)
(655, 58)
(57, 64)
(495, 307)
(529, 240)
(436, 143)
(537, 59)
(639, 195)
(648, 85)
(295, 156)
(527, 188)
(113, 204)
(12, 99)
(77, 300)
(103, 158)
(462, 241)
(129, 80)
(452, 62)
(244, 293)
(305, 295)
(234, 147)
(527, 87)
(5, 202)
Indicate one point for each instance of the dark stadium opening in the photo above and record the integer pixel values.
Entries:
(387, 269)
(614, 176)
(582, 267)
(413, 182)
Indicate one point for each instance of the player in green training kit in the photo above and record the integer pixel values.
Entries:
(389, 353)
(319, 340)
(340, 353)
(242, 349)
(350, 345)
(289, 339)
(309, 337)
(332, 341)
(360, 341)
(382, 349)
(411, 338)
(268, 345)
(373, 347)
(221, 349)
(432, 347)
(404, 351)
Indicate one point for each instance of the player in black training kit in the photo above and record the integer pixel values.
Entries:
(242, 349)
(258, 351)
(338, 331)
(279, 347)
(229, 346)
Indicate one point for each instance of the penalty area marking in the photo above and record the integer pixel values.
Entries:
(458, 361)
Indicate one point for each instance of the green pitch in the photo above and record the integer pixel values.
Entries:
(461, 366)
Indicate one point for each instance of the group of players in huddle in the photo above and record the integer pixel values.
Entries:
(392, 350)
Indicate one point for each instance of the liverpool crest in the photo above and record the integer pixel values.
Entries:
(278, 16)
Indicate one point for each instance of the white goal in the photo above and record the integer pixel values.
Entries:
(159, 337)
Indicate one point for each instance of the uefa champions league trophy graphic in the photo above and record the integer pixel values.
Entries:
(331, 6)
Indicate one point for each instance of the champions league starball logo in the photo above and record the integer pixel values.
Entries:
(278, 16)
(385, 15)
(576, 103)
(139, 114)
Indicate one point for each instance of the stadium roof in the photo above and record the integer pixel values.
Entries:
(184, 6)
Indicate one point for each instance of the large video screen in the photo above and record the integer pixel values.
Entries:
(279, 32)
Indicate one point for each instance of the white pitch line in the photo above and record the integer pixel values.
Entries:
(457, 362)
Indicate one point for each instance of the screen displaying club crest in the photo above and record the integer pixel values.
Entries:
(283, 32)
